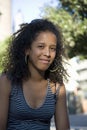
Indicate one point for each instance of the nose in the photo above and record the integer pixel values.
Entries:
(47, 52)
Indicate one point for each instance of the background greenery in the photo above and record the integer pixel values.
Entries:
(71, 16)
(3, 48)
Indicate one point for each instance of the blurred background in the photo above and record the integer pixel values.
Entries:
(71, 16)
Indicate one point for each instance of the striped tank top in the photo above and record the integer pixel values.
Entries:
(23, 117)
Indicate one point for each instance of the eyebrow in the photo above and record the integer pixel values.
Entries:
(53, 44)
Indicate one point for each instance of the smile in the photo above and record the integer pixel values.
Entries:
(45, 61)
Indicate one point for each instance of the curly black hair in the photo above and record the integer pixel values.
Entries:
(14, 64)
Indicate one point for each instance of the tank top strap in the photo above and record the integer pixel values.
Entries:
(57, 88)
(48, 82)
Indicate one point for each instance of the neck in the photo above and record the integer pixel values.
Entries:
(36, 75)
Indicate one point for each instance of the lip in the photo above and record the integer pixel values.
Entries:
(45, 61)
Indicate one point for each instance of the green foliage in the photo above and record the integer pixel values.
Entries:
(76, 7)
(72, 18)
(3, 48)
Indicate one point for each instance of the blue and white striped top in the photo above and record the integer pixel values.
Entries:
(22, 117)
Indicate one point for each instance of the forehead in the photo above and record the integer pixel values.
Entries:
(46, 35)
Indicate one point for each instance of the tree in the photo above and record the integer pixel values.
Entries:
(71, 16)
(3, 48)
(76, 7)
(78, 10)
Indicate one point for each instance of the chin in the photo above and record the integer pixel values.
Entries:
(44, 69)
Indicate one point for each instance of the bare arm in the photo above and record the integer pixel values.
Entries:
(4, 101)
(61, 115)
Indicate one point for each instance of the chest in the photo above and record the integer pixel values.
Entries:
(35, 96)
(19, 108)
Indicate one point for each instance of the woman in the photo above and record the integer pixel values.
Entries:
(31, 86)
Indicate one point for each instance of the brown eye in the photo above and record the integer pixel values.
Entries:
(53, 48)
(40, 46)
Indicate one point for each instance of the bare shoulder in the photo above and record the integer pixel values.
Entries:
(5, 88)
(5, 85)
(61, 90)
(58, 88)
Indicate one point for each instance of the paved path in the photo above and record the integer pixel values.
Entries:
(77, 122)
(73, 128)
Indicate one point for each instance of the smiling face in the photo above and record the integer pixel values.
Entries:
(42, 51)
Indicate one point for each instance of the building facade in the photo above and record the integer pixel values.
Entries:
(5, 19)
(77, 85)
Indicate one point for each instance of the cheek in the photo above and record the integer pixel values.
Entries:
(34, 55)
(54, 55)
(36, 52)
